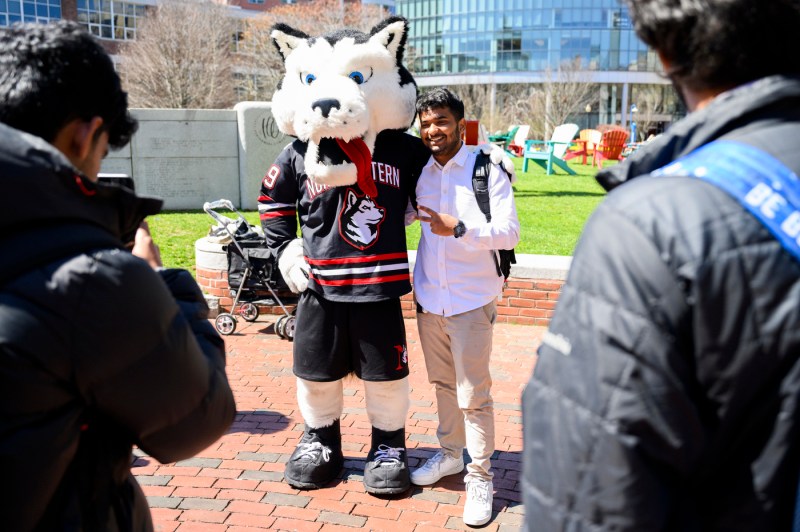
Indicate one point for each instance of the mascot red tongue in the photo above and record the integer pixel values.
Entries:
(358, 152)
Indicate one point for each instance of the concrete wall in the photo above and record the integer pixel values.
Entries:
(188, 157)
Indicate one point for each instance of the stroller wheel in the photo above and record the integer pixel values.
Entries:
(225, 324)
(249, 312)
(288, 327)
(279, 327)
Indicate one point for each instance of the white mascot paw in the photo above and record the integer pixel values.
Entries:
(293, 266)
(498, 156)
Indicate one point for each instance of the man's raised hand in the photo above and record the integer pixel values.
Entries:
(442, 224)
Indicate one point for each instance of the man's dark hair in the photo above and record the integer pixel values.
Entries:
(441, 98)
(715, 44)
(51, 74)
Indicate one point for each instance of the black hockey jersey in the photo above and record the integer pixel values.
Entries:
(354, 244)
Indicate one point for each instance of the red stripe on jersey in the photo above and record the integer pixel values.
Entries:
(355, 260)
(366, 280)
(265, 198)
(276, 214)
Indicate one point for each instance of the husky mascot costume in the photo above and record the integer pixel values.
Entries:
(349, 177)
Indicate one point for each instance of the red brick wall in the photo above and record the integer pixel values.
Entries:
(525, 301)
(215, 283)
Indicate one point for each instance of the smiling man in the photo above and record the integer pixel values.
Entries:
(456, 286)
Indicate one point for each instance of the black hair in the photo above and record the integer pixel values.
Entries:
(51, 74)
(441, 98)
(713, 44)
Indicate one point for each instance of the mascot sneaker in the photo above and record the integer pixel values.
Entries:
(317, 460)
(386, 470)
(439, 465)
(478, 508)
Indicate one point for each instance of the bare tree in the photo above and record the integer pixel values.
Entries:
(566, 92)
(521, 104)
(316, 17)
(477, 101)
(543, 106)
(181, 57)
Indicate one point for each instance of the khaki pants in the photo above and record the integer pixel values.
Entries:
(457, 352)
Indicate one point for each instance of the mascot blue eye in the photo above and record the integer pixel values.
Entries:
(309, 78)
(357, 76)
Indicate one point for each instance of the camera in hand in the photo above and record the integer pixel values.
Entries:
(123, 180)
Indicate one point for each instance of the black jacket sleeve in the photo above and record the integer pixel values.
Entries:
(148, 359)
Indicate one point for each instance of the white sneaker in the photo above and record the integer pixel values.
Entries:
(439, 465)
(478, 508)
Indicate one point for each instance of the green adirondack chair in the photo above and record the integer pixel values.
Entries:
(505, 139)
(551, 152)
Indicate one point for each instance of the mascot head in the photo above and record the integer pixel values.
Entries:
(340, 90)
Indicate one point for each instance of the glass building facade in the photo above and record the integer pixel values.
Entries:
(12, 11)
(106, 19)
(496, 42)
(109, 19)
(459, 36)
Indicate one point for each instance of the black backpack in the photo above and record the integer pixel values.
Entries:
(504, 258)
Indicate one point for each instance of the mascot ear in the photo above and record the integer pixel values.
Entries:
(286, 39)
(391, 33)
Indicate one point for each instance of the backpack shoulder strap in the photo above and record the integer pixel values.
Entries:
(480, 183)
(762, 184)
(480, 187)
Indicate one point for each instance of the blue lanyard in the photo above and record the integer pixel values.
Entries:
(761, 183)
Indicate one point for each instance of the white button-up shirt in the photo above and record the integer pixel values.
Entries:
(456, 275)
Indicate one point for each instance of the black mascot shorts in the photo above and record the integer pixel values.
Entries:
(334, 339)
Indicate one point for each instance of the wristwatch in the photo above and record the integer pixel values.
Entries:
(459, 229)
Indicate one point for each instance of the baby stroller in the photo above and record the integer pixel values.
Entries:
(252, 268)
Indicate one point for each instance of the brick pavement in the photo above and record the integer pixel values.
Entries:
(236, 484)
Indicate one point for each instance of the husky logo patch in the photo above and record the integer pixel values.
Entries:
(360, 220)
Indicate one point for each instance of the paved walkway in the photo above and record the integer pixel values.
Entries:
(236, 484)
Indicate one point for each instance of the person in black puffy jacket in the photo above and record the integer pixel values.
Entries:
(665, 394)
(100, 347)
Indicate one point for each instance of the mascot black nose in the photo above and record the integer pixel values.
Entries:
(326, 105)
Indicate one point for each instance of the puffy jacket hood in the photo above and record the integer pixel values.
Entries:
(45, 192)
(728, 112)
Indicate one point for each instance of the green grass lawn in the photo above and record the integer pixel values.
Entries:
(552, 211)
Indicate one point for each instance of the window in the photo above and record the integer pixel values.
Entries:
(238, 41)
(110, 20)
(12, 11)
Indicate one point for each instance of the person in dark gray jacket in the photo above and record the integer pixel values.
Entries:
(665, 394)
(98, 350)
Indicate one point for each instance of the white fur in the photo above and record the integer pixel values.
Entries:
(320, 403)
(331, 175)
(387, 403)
(286, 43)
(499, 157)
(379, 103)
(293, 266)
